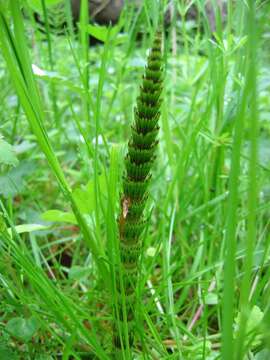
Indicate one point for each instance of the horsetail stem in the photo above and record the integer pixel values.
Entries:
(138, 163)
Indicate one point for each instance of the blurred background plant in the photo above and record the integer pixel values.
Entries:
(204, 284)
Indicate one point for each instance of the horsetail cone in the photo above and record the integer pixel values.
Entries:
(138, 164)
(139, 159)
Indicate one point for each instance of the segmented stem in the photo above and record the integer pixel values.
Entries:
(138, 163)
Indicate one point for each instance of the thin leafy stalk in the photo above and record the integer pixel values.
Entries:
(228, 304)
(51, 61)
(253, 186)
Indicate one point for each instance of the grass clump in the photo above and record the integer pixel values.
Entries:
(192, 283)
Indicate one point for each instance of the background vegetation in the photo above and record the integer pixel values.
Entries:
(66, 110)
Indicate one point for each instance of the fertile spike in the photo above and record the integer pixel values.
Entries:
(138, 163)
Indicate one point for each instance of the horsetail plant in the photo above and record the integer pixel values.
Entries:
(138, 163)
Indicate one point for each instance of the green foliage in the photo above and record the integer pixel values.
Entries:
(7, 154)
(27, 228)
(58, 216)
(22, 328)
(6, 353)
(200, 285)
(254, 336)
(12, 182)
(37, 4)
(84, 197)
(102, 33)
(18, 61)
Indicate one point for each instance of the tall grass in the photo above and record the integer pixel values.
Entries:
(203, 289)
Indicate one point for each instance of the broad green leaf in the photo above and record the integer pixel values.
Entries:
(263, 355)
(7, 153)
(211, 299)
(151, 251)
(85, 196)
(85, 199)
(22, 328)
(29, 228)
(101, 32)
(24, 146)
(98, 32)
(59, 216)
(78, 272)
(12, 182)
